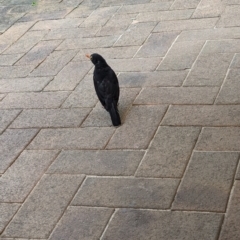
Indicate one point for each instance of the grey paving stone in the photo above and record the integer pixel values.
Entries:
(231, 2)
(230, 89)
(10, 59)
(200, 115)
(207, 182)
(83, 96)
(155, 79)
(127, 2)
(219, 139)
(180, 25)
(184, 4)
(24, 84)
(39, 118)
(230, 17)
(177, 95)
(69, 76)
(99, 117)
(7, 116)
(136, 34)
(206, 8)
(2, 96)
(12, 142)
(7, 211)
(38, 53)
(15, 71)
(82, 11)
(181, 56)
(146, 118)
(77, 138)
(230, 229)
(104, 162)
(162, 225)
(126, 192)
(134, 64)
(169, 152)
(54, 63)
(236, 61)
(26, 42)
(44, 206)
(34, 100)
(209, 70)
(82, 223)
(157, 44)
(19, 179)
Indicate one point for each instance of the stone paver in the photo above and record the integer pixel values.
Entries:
(171, 171)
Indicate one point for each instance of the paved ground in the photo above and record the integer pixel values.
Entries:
(170, 171)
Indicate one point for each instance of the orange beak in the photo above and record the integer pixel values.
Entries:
(88, 56)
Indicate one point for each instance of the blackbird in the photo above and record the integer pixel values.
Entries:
(106, 86)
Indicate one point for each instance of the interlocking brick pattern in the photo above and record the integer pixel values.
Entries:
(171, 171)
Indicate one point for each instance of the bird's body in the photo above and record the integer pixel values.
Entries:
(106, 87)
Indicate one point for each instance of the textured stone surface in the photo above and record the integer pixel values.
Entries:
(7, 116)
(9, 59)
(207, 182)
(236, 61)
(230, 17)
(182, 4)
(15, 71)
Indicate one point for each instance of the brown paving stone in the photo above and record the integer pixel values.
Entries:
(34, 100)
(209, 70)
(169, 152)
(7, 211)
(154, 79)
(230, 17)
(24, 84)
(7, 116)
(200, 115)
(15, 71)
(139, 126)
(177, 95)
(181, 56)
(99, 117)
(23, 174)
(126, 192)
(207, 182)
(72, 138)
(82, 223)
(162, 225)
(12, 142)
(180, 25)
(185, 4)
(219, 139)
(10, 59)
(104, 162)
(44, 206)
(230, 229)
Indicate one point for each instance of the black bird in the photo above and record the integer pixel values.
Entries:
(106, 86)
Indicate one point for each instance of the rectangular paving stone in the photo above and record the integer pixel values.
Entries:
(230, 17)
(209, 70)
(99, 117)
(83, 11)
(77, 138)
(230, 89)
(19, 179)
(139, 127)
(162, 225)
(236, 61)
(154, 79)
(185, 4)
(40, 118)
(10, 59)
(230, 229)
(7, 116)
(157, 44)
(207, 182)
(38, 53)
(44, 206)
(104, 162)
(69, 76)
(185, 24)
(177, 95)
(15, 71)
(7, 211)
(12, 142)
(34, 100)
(181, 56)
(125, 2)
(54, 63)
(79, 222)
(200, 115)
(131, 192)
(169, 152)
(136, 34)
(219, 139)
(24, 84)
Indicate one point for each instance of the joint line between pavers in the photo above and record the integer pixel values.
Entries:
(196, 9)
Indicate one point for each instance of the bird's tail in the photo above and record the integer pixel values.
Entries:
(115, 117)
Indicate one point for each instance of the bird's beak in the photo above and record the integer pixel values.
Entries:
(88, 56)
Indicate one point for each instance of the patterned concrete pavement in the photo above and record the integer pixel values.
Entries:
(171, 171)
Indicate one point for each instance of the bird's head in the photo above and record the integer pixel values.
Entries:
(96, 59)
